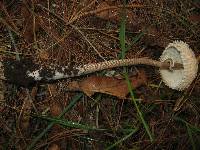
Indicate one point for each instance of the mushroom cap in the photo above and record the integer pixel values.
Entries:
(179, 52)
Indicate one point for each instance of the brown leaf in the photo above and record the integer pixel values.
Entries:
(108, 85)
(194, 18)
(54, 147)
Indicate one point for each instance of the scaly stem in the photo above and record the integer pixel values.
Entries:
(89, 68)
(25, 72)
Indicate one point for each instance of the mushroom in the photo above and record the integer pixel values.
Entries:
(179, 52)
(178, 68)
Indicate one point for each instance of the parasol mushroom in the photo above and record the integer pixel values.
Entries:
(178, 68)
(179, 52)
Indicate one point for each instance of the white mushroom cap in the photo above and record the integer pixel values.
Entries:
(179, 52)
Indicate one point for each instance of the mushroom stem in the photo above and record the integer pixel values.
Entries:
(168, 64)
(25, 72)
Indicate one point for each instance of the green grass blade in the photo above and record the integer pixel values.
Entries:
(122, 33)
(191, 137)
(137, 108)
(75, 99)
(122, 55)
(194, 128)
(70, 124)
(135, 40)
(190, 128)
(123, 139)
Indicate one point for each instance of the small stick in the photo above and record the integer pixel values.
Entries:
(26, 72)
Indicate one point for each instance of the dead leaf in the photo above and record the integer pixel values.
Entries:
(108, 85)
(54, 147)
(194, 18)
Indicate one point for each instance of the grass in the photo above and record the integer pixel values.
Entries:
(191, 129)
(191, 137)
(122, 36)
(69, 124)
(74, 101)
(146, 126)
(122, 139)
